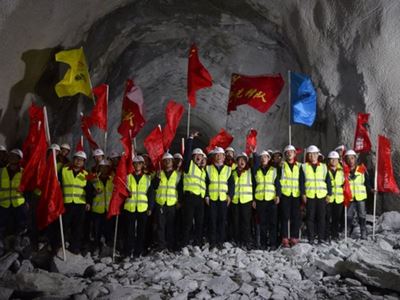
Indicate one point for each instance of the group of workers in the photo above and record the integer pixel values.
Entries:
(255, 201)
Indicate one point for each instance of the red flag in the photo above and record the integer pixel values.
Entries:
(260, 92)
(36, 116)
(362, 143)
(127, 144)
(251, 141)
(98, 116)
(132, 119)
(198, 77)
(34, 170)
(154, 146)
(346, 186)
(173, 115)
(386, 181)
(86, 132)
(79, 145)
(51, 203)
(222, 139)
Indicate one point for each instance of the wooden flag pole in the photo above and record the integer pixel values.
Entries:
(188, 122)
(375, 191)
(106, 132)
(115, 238)
(290, 110)
(345, 224)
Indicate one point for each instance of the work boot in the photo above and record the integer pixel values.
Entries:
(285, 243)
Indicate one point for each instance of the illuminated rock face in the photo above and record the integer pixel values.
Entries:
(349, 48)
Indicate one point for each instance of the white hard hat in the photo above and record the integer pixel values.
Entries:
(80, 154)
(242, 154)
(340, 148)
(265, 153)
(197, 151)
(17, 152)
(55, 147)
(333, 154)
(105, 162)
(350, 152)
(312, 149)
(279, 151)
(138, 159)
(230, 149)
(3, 148)
(66, 146)
(98, 152)
(178, 155)
(114, 154)
(289, 148)
(167, 155)
(218, 150)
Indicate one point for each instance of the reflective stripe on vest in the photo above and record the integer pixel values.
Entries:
(218, 186)
(337, 186)
(74, 187)
(101, 201)
(243, 187)
(138, 200)
(195, 180)
(9, 194)
(357, 186)
(315, 181)
(166, 192)
(265, 184)
(290, 180)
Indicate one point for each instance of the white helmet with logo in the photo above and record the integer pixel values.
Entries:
(333, 154)
(80, 154)
(312, 149)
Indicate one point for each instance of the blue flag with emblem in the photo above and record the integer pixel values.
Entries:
(303, 99)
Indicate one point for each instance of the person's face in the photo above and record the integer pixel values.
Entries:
(351, 160)
(105, 170)
(313, 157)
(203, 162)
(168, 163)
(138, 166)
(78, 162)
(115, 161)
(219, 158)
(277, 158)
(333, 162)
(64, 152)
(229, 153)
(198, 158)
(13, 159)
(290, 154)
(241, 163)
(98, 158)
(264, 159)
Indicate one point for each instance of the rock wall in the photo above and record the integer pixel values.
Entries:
(349, 48)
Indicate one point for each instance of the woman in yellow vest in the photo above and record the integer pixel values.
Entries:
(267, 193)
(359, 186)
(220, 189)
(137, 208)
(242, 201)
(13, 208)
(166, 187)
(316, 190)
(334, 209)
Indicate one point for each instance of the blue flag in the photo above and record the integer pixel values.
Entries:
(303, 99)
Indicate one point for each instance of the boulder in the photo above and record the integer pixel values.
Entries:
(73, 265)
(6, 261)
(222, 285)
(328, 265)
(389, 221)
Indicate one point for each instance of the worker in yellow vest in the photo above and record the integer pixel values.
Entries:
(62, 157)
(290, 200)
(98, 156)
(114, 158)
(230, 158)
(13, 208)
(334, 209)
(78, 194)
(266, 193)
(359, 186)
(316, 190)
(166, 187)
(103, 188)
(3, 156)
(194, 191)
(242, 201)
(220, 189)
(137, 208)
(277, 158)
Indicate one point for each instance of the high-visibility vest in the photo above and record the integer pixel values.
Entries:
(265, 184)
(243, 187)
(357, 186)
(101, 201)
(337, 186)
(74, 187)
(290, 180)
(167, 192)
(315, 181)
(194, 181)
(138, 200)
(218, 186)
(9, 194)
(59, 166)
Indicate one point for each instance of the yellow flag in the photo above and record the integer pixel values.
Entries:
(76, 79)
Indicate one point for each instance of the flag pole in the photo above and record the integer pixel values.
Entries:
(115, 238)
(188, 122)
(345, 224)
(106, 132)
(375, 191)
(183, 146)
(290, 110)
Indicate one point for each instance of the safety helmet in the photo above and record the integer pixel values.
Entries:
(167, 155)
(333, 154)
(17, 152)
(350, 152)
(80, 154)
(98, 152)
(312, 149)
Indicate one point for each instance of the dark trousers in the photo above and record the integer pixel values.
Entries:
(193, 208)
(267, 212)
(135, 229)
(101, 227)
(290, 210)
(334, 215)
(74, 223)
(316, 218)
(13, 220)
(166, 226)
(218, 211)
(241, 214)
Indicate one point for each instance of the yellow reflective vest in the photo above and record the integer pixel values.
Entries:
(290, 180)
(243, 187)
(337, 182)
(101, 201)
(357, 186)
(74, 187)
(138, 200)
(167, 189)
(265, 184)
(9, 194)
(218, 186)
(194, 181)
(315, 181)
